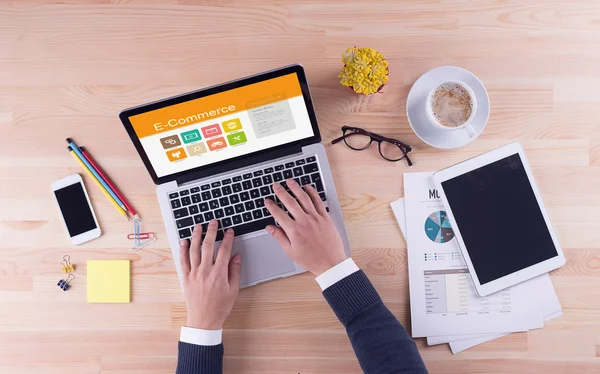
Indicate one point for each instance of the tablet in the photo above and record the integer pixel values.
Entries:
(499, 219)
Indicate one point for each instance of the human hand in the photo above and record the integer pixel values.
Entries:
(310, 238)
(210, 289)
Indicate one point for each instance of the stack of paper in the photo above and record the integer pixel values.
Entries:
(444, 304)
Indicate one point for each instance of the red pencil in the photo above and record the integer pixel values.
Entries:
(91, 161)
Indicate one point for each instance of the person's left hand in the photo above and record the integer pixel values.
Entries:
(210, 289)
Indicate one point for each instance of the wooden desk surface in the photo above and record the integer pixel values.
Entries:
(68, 69)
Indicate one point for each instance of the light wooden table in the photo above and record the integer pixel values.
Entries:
(68, 69)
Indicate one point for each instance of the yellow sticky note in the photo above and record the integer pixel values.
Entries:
(108, 281)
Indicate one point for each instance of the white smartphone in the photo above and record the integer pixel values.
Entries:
(76, 210)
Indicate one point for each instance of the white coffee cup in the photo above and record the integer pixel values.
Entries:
(467, 127)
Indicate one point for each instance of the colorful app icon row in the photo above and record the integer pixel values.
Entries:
(173, 140)
(194, 135)
(228, 126)
(178, 154)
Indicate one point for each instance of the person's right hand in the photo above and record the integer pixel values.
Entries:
(309, 238)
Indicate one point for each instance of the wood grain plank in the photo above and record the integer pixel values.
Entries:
(67, 68)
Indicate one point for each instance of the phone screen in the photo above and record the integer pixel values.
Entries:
(75, 209)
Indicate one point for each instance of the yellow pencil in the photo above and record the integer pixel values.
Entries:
(112, 200)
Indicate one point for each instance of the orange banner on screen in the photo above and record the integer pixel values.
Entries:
(217, 105)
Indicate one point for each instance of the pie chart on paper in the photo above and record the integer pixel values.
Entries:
(437, 227)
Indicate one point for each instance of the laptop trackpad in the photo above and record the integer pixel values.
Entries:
(262, 258)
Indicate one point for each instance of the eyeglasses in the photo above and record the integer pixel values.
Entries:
(359, 139)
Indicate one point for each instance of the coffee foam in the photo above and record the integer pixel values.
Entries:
(451, 104)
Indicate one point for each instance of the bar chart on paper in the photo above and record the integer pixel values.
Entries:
(452, 291)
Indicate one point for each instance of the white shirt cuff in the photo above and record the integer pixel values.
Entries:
(337, 273)
(201, 337)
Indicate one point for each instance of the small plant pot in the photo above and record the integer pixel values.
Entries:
(378, 90)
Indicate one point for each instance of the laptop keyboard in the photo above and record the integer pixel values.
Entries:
(238, 201)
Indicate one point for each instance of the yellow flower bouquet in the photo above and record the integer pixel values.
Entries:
(365, 70)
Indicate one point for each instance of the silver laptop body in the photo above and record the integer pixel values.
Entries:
(233, 191)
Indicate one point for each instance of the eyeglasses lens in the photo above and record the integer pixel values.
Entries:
(357, 140)
(391, 151)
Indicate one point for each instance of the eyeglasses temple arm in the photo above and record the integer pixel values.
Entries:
(337, 140)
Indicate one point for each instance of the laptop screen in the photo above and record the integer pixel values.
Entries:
(225, 125)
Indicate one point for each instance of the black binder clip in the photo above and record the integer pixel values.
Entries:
(63, 284)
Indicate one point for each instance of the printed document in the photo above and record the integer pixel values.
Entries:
(541, 286)
(443, 298)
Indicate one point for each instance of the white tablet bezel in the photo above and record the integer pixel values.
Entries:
(523, 274)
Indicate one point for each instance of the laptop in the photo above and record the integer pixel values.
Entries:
(215, 153)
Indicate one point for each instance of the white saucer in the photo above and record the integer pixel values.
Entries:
(421, 124)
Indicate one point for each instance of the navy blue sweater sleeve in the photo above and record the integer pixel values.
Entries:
(380, 342)
(200, 359)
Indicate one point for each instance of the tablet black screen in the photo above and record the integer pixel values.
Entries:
(499, 219)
